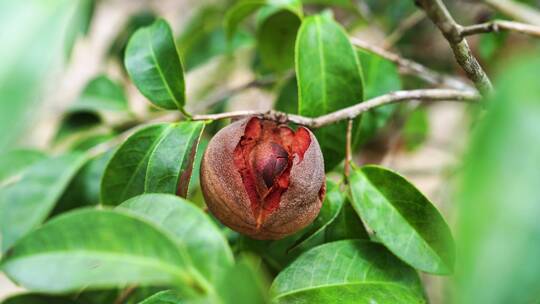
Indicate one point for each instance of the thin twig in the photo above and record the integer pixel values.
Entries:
(497, 25)
(352, 111)
(348, 152)
(414, 68)
(316, 122)
(440, 16)
(516, 10)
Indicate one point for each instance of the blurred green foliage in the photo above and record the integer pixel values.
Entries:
(37, 33)
(500, 199)
(375, 231)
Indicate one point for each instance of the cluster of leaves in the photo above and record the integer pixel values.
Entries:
(87, 228)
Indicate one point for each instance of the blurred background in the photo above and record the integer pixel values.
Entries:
(56, 53)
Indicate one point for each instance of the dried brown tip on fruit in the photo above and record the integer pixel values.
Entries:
(263, 179)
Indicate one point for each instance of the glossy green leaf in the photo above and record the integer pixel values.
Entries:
(31, 298)
(348, 272)
(84, 188)
(190, 227)
(96, 249)
(194, 190)
(157, 158)
(154, 65)
(333, 201)
(171, 163)
(403, 219)
(16, 162)
(499, 231)
(101, 94)
(239, 12)
(276, 33)
(26, 202)
(329, 78)
(164, 297)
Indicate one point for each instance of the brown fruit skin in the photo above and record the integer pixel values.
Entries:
(227, 198)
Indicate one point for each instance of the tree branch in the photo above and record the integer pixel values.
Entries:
(518, 11)
(317, 122)
(439, 15)
(414, 68)
(497, 25)
(352, 111)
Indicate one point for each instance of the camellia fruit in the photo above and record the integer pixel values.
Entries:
(263, 179)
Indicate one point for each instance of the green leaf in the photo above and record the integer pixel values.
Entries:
(287, 99)
(194, 189)
(380, 77)
(403, 219)
(277, 254)
(239, 12)
(171, 163)
(76, 123)
(190, 227)
(204, 38)
(26, 203)
(331, 207)
(276, 33)
(416, 129)
(16, 162)
(154, 65)
(490, 43)
(157, 158)
(499, 194)
(346, 226)
(84, 188)
(137, 20)
(245, 283)
(96, 249)
(32, 298)
(329, 78)
(164, 297)
(101, 94)
(348, 272)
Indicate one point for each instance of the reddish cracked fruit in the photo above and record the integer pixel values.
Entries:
(263, 179)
